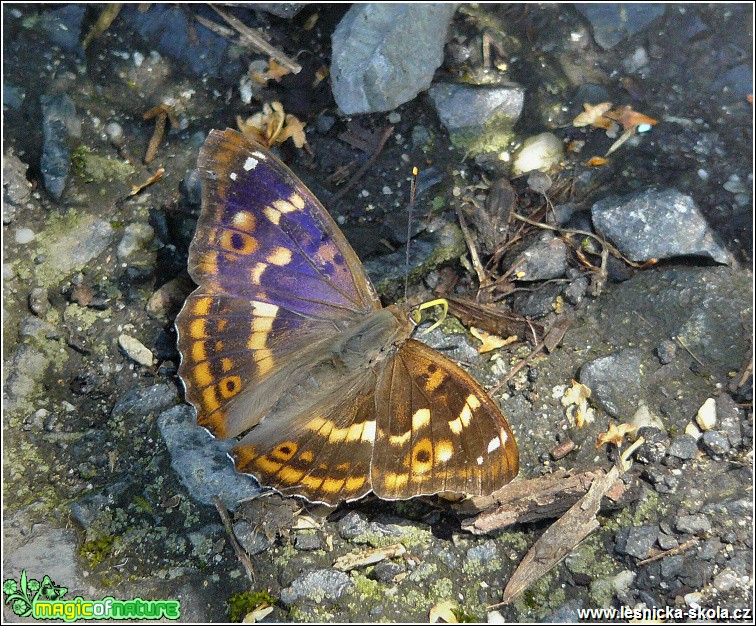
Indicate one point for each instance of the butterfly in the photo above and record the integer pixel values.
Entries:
(285, 344)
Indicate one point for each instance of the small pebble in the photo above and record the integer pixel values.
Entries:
(114, 131)
(715, 443)
(24, 235)
(135, 350)
(707, 414)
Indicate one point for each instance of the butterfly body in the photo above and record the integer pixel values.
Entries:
(286, 344)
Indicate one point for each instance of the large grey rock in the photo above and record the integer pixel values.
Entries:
(385, 54)
(614, 21)
(201, 462)
(615, 382)
(323, 586)
(656, 224)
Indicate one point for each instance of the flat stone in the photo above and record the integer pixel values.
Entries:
(252, 538)
(655, 224)
(637, 541)
(715, 444)
(683, 447)
(352, 525)
(614, 382)
(202, 462)
(693, 524)
(323, 586)
(545, 259)
(385, 54)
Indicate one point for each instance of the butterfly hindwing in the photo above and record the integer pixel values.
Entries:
(437, 430)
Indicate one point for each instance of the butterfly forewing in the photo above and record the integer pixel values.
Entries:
(437, 430)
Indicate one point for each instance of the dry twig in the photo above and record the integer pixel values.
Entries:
(240, 553)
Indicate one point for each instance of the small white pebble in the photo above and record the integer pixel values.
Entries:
(707, 414)
(25, 235)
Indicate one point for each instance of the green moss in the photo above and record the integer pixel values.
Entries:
(240, 604)
(96, 551)
(94, 168)
(540, 599)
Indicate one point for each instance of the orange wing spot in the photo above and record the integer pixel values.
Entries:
(220, 325)
(332, 485)
(218, 347)
(202, 306)
(197, 329)
(229, 386)
(215, 423)
(202, 375)
(209, 263)
(307, 456)
(243, 457)
(422, 457)
(264, 361)
(238, 243)
(227, 364)
(244, 220)
(434, 381)
(343, 467)
(210, 400)
(395, 481)
(280, 256)
(199, 353)
(353, 483)
(290, 475)
(284, 451)
(257, 341)
(266, 465)
(312, 482)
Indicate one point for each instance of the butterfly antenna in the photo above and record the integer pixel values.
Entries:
(413, 189)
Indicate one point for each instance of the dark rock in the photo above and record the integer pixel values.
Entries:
(656, 225)
(615, 381)
(166, 28)
(191, 187)
(636, 541)
(667, 542)
(618, 271)
(588, 93)
(697, 574)
(683, 447)
(576, 290)
(654, 446)
(693, 524)
(13, 97)
(710, 549)
(63, 26)
(143, 401)
(322, 587)
(352, 525)
(671, 566)
(545, 259)
(252, 538)
(39, 304)
(86, 509)
(59, 121)
(386, 571)
(201, 462)
(308, 542)
(612, 23)
(536, 303)
(385, 54)
(468, 111)
(567, 613)
(666, 351)
(280, 9)
(729, 416)
(715, 444)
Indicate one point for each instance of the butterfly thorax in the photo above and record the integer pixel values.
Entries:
(373, 339)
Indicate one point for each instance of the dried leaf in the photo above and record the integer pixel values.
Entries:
(593, 115)
(444, 611)
(368, 557)
(596, 161)
(576, 394)
(615, 434)
(629, 118)
(630, 132)
(275, 72)
(272, 126)
(256, 614)
(490, 342)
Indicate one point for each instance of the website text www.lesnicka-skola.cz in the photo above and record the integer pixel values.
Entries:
(665, 614)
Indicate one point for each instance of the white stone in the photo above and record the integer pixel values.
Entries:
(707, 414)
(540, 152)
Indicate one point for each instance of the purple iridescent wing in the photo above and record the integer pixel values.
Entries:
(276, 276)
